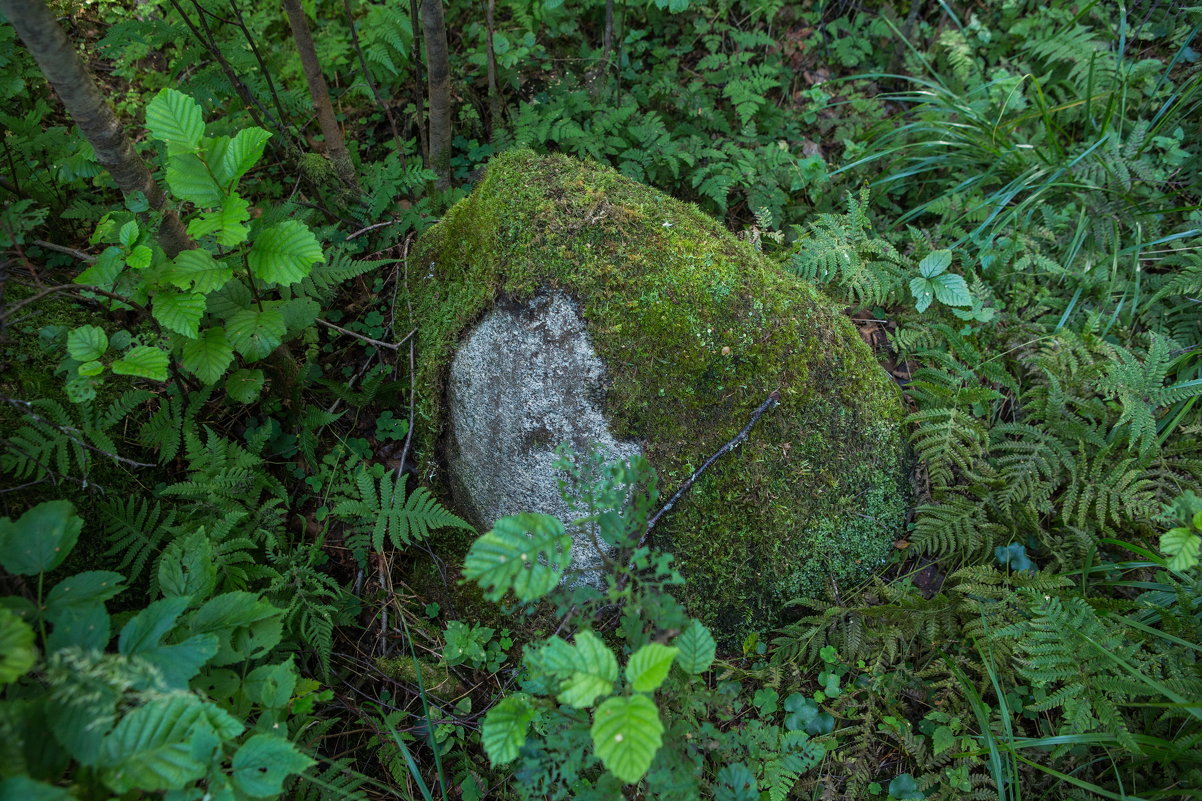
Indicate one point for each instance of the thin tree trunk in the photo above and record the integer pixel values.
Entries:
(438, 70)
(397, 142)
(494, 93)
(66, 72)
(320, 93)
(418, 80)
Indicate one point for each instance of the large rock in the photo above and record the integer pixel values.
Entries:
(571, 303)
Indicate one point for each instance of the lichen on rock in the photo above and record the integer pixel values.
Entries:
(695, 329)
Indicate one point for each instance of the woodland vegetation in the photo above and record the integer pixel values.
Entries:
(221, 581)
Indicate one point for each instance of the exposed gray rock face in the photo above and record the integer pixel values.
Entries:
(525, 379)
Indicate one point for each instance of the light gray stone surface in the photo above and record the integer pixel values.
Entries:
(525, 379)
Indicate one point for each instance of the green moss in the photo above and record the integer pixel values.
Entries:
(696, 329)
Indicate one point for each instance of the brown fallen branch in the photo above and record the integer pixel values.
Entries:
(772, 400)
(369, 340)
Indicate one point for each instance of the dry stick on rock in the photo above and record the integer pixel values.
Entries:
(320, 93)
(773, 400)
(66, 72)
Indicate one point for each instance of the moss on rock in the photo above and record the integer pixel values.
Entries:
(695, 329)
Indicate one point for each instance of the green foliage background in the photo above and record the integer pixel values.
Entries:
(1004, 195)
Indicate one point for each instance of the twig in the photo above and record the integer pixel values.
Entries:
(412, 361)
(371, 228)
(79, 254)
(378, 343)
(773, 400)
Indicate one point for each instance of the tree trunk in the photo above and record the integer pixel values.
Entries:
(320, 93)
(494, 92)
(438, 70)
(418, 80)
(66, 72)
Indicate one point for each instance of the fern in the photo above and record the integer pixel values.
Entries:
(376, 506)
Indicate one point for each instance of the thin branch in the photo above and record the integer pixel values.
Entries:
(369, 340)
(371, 228)
(772, 400)
(78, 254)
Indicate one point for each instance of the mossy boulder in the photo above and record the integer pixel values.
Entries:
(695, 329)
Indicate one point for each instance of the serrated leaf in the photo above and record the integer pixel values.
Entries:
(179, 311)
(737, 783)
(227, 223)
(90, 368)
(243, 152)
(593, 669)
(696, 647)
(188, 179)
(178, 663)
(105, 270)
(186, 567)
(1182, 546)
(504, 730)
(139, 258)
(128, 234)
(271, 686)
(17, 652)
(284, 253)
(923, 291)
(525, 553)
(87, 343)
(255, 333)
(246, 627)
(150, 748)
(208, 356)
(951, 290)
(176, 119)
(83, 589)
(196, 270)
(263, 763)
(935, 263)
(649, 666)
(40, 539)
(144, 362)
(245, 385)
(299, 313)
(626, 734)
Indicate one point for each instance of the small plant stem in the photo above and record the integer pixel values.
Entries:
(250, 279)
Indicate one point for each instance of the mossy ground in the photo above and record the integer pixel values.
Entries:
(696, 329)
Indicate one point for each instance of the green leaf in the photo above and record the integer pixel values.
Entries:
(649, 666)
(904, 788)
(942, 739)
(103, 273)
(951, 290)
(208, 356)
(150, 749)
(23, 788)
(1182, 546)
(83, 589)
(179, 311)
(128, 234)
(626, 734)
(255, 333)
(264, 762)
(196, 270)
(271, 686)
(242, 153)
(139, 258)
(245, 385)
(87, 343)
(589, 668)
(923, 291)
(737, 784)
(246, 627)
(806, 715)
(143, 361)
(526, 553)
(17, 652)
(504, 730)
(935, 263)
(40, 539)
(179, 663)
(176, 119)
(90, 368)
(189, 179)
(228, 223)
(696, 648)
(186, 567)
(284, 253)
(299, 313)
